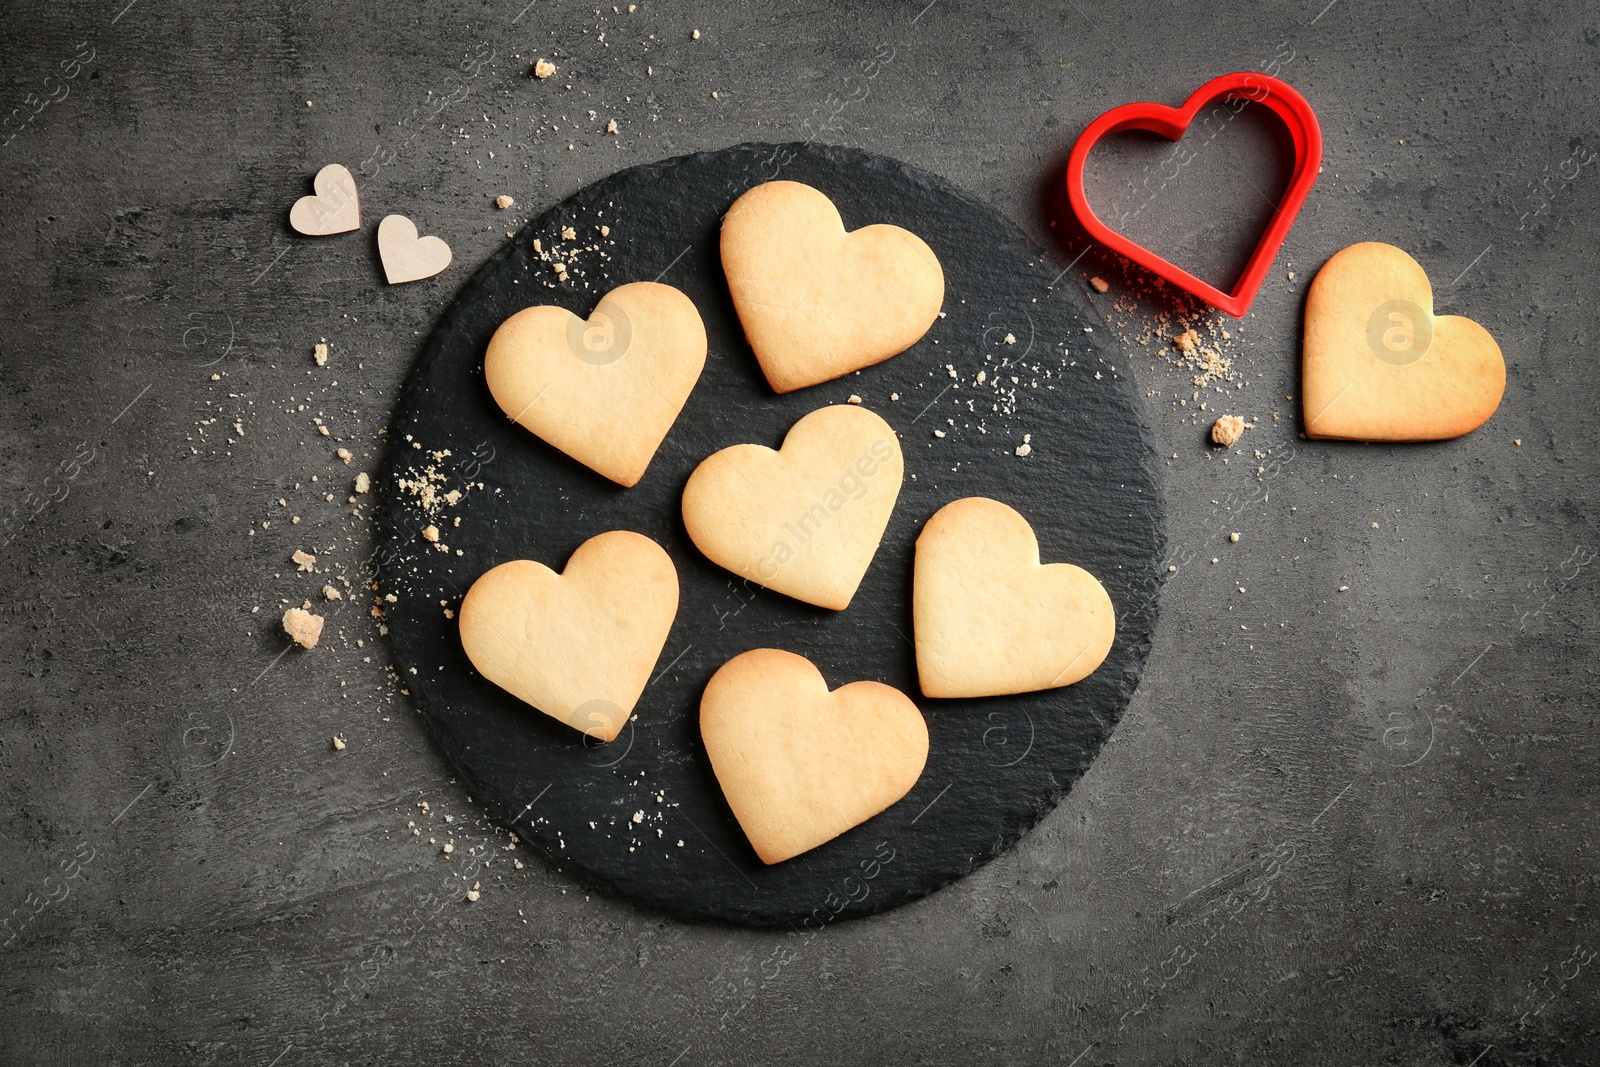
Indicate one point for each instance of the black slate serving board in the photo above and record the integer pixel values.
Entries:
(617, 812)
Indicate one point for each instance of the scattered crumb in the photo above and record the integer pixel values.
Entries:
(1234, 537)
(543, 69)
(611, 126)
(853, 399)
(304, 560)
(1517, 441)
(430, 533)
(344, 454)
(1187, 341)
(694, 35)
(605, 231)
(338, 743)
(1025, 447)
(503, 201)
(363, 482)
(472, 894)
(1011, 338)
(1227, 429)
(331, 593)
(938, 433)
(1344, 588)
(1099, 284)
(216, 377)
(303, 626)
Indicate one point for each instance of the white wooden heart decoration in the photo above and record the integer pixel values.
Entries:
(407, 257)
(334, 208)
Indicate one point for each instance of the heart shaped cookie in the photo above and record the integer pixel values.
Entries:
(804, 520)
(817, 302)
(989, 619)
(579, 645)
(334, 208)
(603, 390)
(798, 764)
(407, 257)
(1380, 366)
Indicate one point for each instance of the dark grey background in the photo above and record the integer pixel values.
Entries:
(1334, 827)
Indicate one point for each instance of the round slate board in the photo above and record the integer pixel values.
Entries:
(643, 815)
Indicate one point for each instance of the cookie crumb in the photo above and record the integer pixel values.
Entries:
(503, 201)
(611, 126)
(1233, 537)
(543, 69)
(1187, 341)
(1011, 338)
(304, 560)
(694, 35)
(216, 377)
(363, 482)
(1025, 448)
(1517, 441)
(338, 743)
(605, 231)
(430, 533)
(303, 626)
(320, 353)
(853, 399)
(331, 593)
(1099, 284)
(1227, 429)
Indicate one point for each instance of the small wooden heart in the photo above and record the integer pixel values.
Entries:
(407, 257)
(1379, 365)
(815, 301)
(989, 619)
(807, 519)
(798, 764)
(579, 645)
(334, 208)
(604, 390)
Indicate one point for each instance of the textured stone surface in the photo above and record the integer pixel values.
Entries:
(245, 893)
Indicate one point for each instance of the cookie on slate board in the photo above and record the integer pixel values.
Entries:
(988, 619)
(815, 301)
(579, 645)
(804, 520)
(1380, 366)
(800, 765)
(604, 390)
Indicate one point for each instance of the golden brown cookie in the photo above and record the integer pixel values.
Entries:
(804, 520)
(579, 645)
(603, 390)
(798, 764)
(1380, 366)
(989, 619)
(817, 302)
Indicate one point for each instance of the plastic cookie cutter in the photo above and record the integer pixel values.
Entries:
(1230, 92)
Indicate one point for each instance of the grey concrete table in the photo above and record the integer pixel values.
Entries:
(1349, 817)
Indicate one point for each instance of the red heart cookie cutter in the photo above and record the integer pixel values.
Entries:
(1171, 123)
